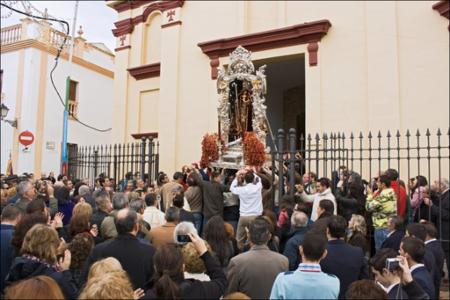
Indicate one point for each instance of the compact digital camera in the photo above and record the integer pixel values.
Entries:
(392, 264)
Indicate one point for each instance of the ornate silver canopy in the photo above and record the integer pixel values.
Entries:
(241, 103)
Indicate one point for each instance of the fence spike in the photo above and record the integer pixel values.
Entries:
(302, 138)
(317, 137)
(408, 134)
(428, 132)
(309, 137)
(360, 135)
(379, 134)
(417, 133)
(325, 136)
(339, 135)
(351, 135)
(370, 134)
(398, 133)
(439, 132)
(388, 135)
(343, 135)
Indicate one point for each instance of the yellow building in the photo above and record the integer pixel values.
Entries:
(331, 66)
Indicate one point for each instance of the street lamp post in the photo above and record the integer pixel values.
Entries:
(4, 113)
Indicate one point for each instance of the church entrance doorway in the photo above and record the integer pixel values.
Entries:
(285, 98)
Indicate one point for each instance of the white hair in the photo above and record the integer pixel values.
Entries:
(184, 228)
(83, 190)
(299, 219)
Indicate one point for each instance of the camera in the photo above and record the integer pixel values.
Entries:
(392, 264)
(183, 239)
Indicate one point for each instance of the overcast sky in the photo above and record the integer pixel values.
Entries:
(96, 18)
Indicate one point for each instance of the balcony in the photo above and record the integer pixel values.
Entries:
(11, 34)
(73, 109)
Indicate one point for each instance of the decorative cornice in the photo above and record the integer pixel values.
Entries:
(307, 33)
(122, 48)
(147, 71)
(171, 24)
(127, 25)
(31, 43)
(129, 4)
(443, 7)
(147, 135)
(282, 37)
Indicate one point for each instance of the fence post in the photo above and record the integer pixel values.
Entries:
(150, 161)
(292, 147)
(280, 143)
(143, 157)
(95, 163)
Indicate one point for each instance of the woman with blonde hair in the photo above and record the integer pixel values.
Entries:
(112, 285)
(38, 257)
(357, 232)
(38, 287)
(108, 266)
(79, 223)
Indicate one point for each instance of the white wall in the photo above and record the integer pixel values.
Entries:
(95, 92)
(9, 66)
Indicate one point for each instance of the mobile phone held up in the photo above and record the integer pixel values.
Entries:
(183, 239)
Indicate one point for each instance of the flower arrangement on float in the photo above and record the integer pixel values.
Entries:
(254, 152)
(210, 149)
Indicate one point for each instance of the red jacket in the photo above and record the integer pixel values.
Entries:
(401, 198)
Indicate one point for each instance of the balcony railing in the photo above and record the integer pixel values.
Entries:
(11, 34)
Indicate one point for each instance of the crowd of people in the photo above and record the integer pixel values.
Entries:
(211, 234)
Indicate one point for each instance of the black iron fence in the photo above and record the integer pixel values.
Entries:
(115, 161)
(411, 154)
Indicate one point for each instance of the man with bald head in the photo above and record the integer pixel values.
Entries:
(136, 258)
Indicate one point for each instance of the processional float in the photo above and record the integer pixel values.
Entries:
(241, 112)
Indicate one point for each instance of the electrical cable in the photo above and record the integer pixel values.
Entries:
(58, 54)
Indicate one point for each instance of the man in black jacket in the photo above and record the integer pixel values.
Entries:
(396, 233)
(434, 246)
(135, 257)
(347, 262)
(212, 194)
(441, 213)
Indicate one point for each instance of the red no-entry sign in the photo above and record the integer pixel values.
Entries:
(26, 138)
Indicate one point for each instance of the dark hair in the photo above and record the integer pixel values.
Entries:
(125, 224)
(365, 289)
(305, 208)
(385, 179)
(431, 229)
(80, 247)
(62, 193)
(327, 205)
(25, 224)
(259, 231)
(215, 174)
(249, 177)
(337, 226)
(150, 199)
(168, 262)
(10, 212)
(392, 174)
(217, 238)
(325, 182)
(178, 175)
(178, 201)
(172, 214)
(60, 176)
(398, 222)
(378, 261)
(37, 205)
(417, 230)
(414, 247)
(314, 245)
(421, 181)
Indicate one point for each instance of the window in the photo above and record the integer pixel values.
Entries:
(73, 101)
